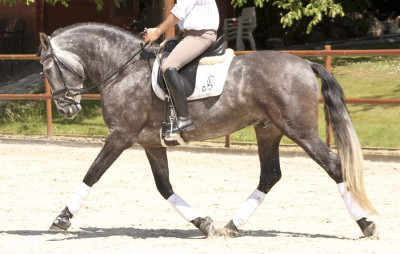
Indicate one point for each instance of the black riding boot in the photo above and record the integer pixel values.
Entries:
(175, 86)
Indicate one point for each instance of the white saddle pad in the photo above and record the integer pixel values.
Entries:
(210, 77)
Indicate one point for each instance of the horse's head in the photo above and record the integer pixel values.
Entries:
(65, 74)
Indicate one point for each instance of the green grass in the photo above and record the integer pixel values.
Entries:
(29, 117)
(360, 77)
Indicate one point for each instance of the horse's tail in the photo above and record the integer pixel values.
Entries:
(347, 143)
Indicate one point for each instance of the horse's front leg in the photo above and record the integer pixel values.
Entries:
(111, 150)
(159, 165)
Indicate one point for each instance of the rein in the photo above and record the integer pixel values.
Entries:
(71, 92)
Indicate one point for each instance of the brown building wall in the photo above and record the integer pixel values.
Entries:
(21, 10)
(78, 11)
(41, 17)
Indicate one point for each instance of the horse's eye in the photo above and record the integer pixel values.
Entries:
(48, 72)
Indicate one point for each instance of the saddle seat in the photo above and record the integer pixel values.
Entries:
(216, 49)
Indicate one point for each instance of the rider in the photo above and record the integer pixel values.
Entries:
(199, 20)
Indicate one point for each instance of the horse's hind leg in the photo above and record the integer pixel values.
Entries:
(159, 166)
(298, 120)
(111, 150)
(330, 162)
(268, 139)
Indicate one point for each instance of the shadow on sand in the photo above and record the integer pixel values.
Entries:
(87, 233)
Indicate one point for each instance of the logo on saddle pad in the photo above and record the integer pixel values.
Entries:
(203, 78)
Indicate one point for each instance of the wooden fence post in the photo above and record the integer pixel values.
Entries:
(328, 59)
(228, 141)
(328, 66)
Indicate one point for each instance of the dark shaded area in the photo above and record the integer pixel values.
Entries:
(14, 70)
(365, 24)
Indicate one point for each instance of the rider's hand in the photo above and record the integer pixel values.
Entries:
(151, 35)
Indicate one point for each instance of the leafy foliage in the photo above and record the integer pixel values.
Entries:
(297, 9)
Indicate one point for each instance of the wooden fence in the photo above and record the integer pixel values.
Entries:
(327, 53)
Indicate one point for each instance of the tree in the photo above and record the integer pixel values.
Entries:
(99, 3)
(297, 9)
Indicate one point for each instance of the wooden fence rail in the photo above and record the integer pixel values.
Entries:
(327, 53)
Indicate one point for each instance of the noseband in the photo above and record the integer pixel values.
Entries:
(70, 92)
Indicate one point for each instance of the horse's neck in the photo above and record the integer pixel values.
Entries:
(100, 57)
(102, 60)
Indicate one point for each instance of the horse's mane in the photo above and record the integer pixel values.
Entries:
(107, 31)
(98, 28)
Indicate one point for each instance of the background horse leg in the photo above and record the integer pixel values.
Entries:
(111, 150)
(268, 138)
(159, 165)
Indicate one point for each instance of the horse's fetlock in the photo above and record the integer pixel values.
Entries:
(66, 213)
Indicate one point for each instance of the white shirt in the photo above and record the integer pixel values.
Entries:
(196, 14)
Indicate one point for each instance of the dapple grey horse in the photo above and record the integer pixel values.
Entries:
(275, 92)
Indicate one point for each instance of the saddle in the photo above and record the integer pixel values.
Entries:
(188, 75)
(189, 71)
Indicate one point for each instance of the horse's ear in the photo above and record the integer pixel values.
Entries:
(44, 41)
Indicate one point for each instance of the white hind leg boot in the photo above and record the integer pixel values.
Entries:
(353, 207)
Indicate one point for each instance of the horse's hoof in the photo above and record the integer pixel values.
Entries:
(368, 228)
(206, 226)
(230, 230)
(60, 224)
(62, 221)
(370, 231)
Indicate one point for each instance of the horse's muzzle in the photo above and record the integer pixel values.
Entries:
(70, 111)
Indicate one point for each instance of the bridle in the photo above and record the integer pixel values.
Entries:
(71, 92)
(68, 91)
